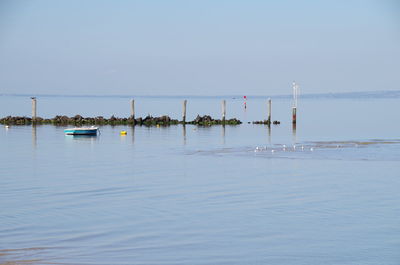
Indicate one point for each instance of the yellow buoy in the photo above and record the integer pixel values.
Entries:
(123, 133)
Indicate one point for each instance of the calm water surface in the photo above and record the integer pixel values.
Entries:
(326, 192)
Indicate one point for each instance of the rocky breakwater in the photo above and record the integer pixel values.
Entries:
(79, 120)
(151, 121)
(206, 120)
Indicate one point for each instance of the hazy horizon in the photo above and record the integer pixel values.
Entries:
(203, 48)
(352, 94)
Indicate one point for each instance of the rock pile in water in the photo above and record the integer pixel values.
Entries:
(267, 122)
(207, 120)
(78, 120)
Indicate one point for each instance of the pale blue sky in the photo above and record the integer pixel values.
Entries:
(205, 47)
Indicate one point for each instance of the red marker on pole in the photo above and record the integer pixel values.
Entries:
(245, 98)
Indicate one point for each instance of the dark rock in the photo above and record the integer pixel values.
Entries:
(266, 122)
(208, 120)
(78, 117)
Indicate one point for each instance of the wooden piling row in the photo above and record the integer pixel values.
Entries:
(199, 120)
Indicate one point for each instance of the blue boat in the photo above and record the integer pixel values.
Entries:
(81, 131)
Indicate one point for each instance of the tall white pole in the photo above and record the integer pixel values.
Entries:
(295, 93)
(223, 110)
(294, 108)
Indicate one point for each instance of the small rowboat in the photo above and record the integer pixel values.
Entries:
(81, 131)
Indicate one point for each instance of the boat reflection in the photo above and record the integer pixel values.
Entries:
(86, 138)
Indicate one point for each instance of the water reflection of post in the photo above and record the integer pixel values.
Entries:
(34, 137)
(223, 134)
(269, 134)
(133, 133)
(294, 133)
(184, 133)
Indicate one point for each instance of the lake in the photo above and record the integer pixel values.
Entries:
(324, 192)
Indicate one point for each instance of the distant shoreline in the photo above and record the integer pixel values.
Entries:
(338, 95)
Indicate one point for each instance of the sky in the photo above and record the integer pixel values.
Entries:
(204, 47)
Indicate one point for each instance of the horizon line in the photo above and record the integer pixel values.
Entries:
(306, 95)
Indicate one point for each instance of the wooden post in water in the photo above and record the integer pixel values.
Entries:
(33, 108)
(133, 109)
(223, 110)
(294, 108)
(294, 115)
(184, 111)
(269, 111)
